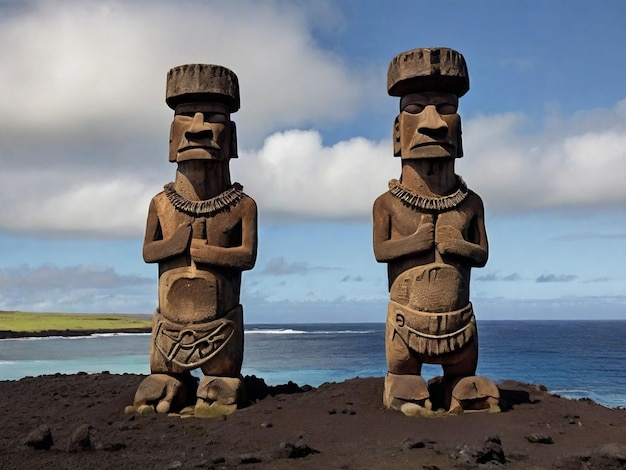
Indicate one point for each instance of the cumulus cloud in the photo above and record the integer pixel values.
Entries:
(80, 288)
(84, 134)
(69, 66)
(295, 175)
(564, 165)
(81, 276)
(576, 163)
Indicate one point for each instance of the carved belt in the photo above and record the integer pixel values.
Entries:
(190, 346)
(432, 333)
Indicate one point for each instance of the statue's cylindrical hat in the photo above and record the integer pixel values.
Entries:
(202, 82)
(428, 69)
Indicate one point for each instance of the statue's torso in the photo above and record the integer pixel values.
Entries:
(429, 281)
(191, 292)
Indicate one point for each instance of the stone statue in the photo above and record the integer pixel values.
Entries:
(429, 229)
(202, 232)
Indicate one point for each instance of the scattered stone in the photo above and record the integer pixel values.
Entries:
(491, 451)
(611, 454)
(481, 453)
(539, 439)
(409, 443)
(295, 451)
(332, 412)
(213, 410)
(413, 409)
(265, 424)
(80, 439)
(40, 438)
(174, 465)
(249, 458)
(113, 446)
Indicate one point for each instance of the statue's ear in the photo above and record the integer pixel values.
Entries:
(397, 150)
(459, 144)
(233, 140)
(173, 147)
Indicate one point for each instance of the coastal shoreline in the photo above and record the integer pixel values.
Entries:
(336, 425)
(9, 334)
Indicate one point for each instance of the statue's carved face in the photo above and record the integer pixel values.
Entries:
(428, 126)
(200, 131)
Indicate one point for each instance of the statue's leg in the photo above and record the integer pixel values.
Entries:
(163, 393)
(221, 391)
(458, 365)
(405, 388)
(167, 387)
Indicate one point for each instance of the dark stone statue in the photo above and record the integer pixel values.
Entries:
(202, 233)
(429, 229)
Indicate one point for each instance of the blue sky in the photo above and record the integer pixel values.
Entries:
(83, 148)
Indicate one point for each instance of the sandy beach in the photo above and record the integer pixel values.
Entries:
(337, 425)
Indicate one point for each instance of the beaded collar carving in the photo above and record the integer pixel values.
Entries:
(435, 204)
(207, 207)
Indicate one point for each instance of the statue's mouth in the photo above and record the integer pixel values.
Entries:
(210, 151)
(209, 147)
(445, 145)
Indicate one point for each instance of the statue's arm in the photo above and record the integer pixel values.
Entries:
(387, 249)
(155, 248)
(474, 249)
(240, 257)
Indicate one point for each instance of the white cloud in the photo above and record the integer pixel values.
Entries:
(84, 132)
(74, 67)
(295, 175)
(53, 203)
(80, 276)
(80, 288)
(575, 163)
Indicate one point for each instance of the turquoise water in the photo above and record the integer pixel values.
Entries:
(575, 359)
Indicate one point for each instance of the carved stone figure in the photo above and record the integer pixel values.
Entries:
(202, 232)
(429, 229)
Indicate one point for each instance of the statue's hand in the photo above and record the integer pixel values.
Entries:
(180, 238)
(198, 228)
(426, 232)
(446, 236)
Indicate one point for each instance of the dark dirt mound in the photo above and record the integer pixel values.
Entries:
(79, 422)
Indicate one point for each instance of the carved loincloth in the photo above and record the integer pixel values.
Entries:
(191, 345)
(432, 333)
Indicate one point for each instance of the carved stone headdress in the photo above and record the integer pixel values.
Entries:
(202, 82)
(428, 69)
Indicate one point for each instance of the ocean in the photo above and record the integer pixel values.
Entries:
(574, 359)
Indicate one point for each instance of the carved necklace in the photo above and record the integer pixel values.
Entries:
(437, 204)
(207, 207)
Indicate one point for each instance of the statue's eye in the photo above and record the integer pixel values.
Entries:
(446, 108)
(413, 108)
(214, 117)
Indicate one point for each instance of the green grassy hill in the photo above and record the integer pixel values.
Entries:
(34, 322)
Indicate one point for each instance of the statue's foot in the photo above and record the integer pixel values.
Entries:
(160, 393)
(475, 393)
(218, 396)
(408, 394)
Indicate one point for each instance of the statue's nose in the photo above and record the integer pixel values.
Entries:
(197, 127)
(431, 122)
